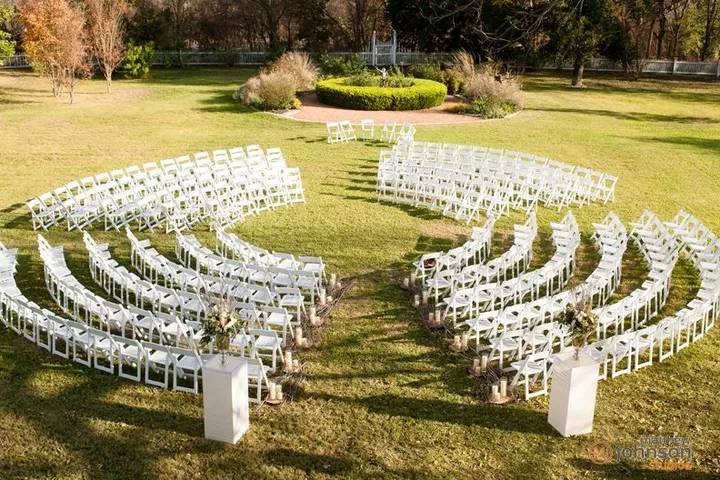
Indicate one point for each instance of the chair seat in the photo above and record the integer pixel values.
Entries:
(131, 352)
(266, 343)
(189, 362)
(159, 357)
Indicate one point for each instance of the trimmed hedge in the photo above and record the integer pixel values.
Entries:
(423, 94)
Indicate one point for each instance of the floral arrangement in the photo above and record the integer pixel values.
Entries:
(581, 322)
(217, 327)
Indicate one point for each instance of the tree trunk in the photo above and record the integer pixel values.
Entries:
(710, 15)
(108, 81)
(578, 70)
(661, 36)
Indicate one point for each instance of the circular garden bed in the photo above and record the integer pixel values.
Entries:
(420, 95)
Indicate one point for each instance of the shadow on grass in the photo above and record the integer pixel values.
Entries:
(667, 87)
(196, 76)
(77, 415)
(705, 143)
(631, 116)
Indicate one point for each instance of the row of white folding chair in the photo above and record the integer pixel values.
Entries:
(230, 246)
(150, 204)
(342, 131)
(461, 196)
(700, 244)
(105, 351)
(547, 280)
(85, 306)
(511, 263)
(286, 284)
(611, 239)
(660, 249)
(474, 251)
(269, 307)
(551, 277)
(567, 187)
(155, 267)
(82, 202)
(394, 132)
(602, 185)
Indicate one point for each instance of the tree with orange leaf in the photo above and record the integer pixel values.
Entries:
(55, 41)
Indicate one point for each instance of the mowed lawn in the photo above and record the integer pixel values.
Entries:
(383, 398)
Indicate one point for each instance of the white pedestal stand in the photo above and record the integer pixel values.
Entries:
(225, 399)
(573, 392)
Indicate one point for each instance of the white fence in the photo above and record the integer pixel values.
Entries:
(676, 67)
(671, 67)
(239, 58)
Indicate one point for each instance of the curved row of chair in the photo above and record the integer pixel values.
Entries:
(449, 264)
(163, 343)
(131, 290)
(189, 283)
(513, 262)
(392, 131)
(305, 275)
(547, 280)
(537, 318)
(640, 345)
(510, 343)
(167, 365)
(223, 187)
(464, 180)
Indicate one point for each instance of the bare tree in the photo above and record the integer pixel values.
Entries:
(55, 42)
(106, 25)
(637, 21)
(711, 15)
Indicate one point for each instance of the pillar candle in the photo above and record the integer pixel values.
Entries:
(416, 301)
(413, 278)
(495, 393)
(438, 315)
(333, 280)
(323, 299)
(271, 391)
(424, 297)
(406, 282)
(476, 365)
(503, 387)
(484, 362)
(431, 318)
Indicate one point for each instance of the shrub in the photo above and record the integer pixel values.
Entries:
(299, 66)
(138, 60)
(423, 94)
(366, 79)
(269, 91)
(342, 66)
(461, 71)
(488, 84)
(490, 107)
(428, 71)
(452, 80)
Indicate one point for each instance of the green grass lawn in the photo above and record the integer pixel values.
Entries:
(383, 397)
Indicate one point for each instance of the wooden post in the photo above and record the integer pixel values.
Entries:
(394, 48)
